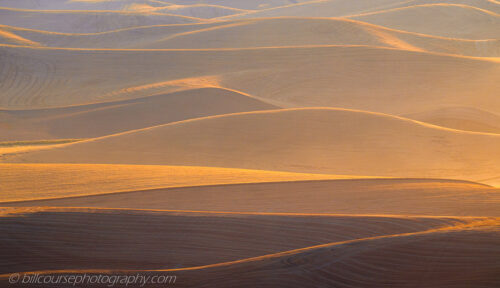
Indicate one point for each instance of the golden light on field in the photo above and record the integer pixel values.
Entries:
(41, 181)
(262, 143)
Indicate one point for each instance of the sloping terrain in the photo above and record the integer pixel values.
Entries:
(441, 20)
(243, 4)
(132, 37)
(266, 32)
(80, 21)
(371, 250)
(329, 76)
(331, 141)
(450, 258)
(489, 5)
(346, 8)
(320, 8)
(8, 37)
(237, 143)
(202, 11)
(430, 197)
(79, 4)
(271, 32)
(94, 120)
(35, 181)
(117, 237)
(135, 4)
(461, 118)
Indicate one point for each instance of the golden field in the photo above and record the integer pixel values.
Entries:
(237, 143)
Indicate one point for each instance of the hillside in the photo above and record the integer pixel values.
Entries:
(94, 120)
(442, 20)
(41, 78)
(329, 141)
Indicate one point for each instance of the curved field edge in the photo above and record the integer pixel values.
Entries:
(456, 224)
(23, 182)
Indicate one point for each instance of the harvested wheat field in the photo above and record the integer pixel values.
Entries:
(237, 143)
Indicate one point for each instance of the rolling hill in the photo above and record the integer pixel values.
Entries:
(266, 32)
(238, 143)
(23, 182)
(321, 8)
(489, 5)
(290, 193)
(441, 20)
(461, 118)
(195, 243)
(330, 141)
(81, 21)
(410, 81)
(131, 37)
(135, 4)
(94, 120)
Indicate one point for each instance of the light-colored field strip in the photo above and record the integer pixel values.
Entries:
(371, 144)
(375, 196)
(429, 5)
(9, 147)
(486, 59)
(34, 11)
(441, 22)
(42, 181)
